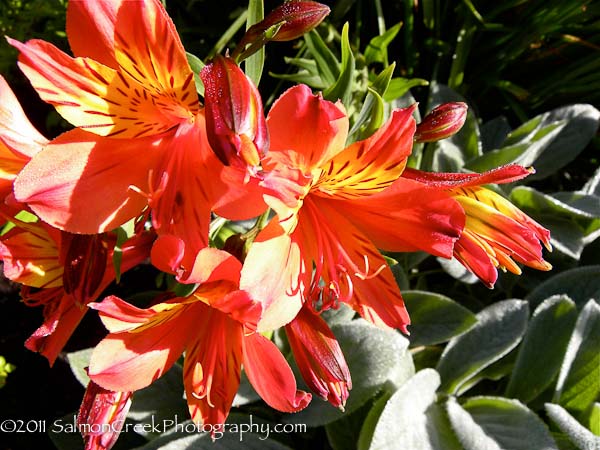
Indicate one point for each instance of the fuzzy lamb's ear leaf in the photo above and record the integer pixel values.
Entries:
(501, 326)
(543, 347)
(496, 423)
(391, 364)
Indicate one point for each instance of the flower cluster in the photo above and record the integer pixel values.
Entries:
(147, 155)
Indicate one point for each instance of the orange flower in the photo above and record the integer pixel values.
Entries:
(215, 326)
(63, 272)
(336, 206)
(141, 136)
(496, 233)
(19, 141)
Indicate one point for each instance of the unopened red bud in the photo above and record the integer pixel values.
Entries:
(235, 122)
(442, 122)
(102, 416)
(287, 22)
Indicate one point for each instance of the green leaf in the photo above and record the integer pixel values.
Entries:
(579, 284)
(523, 153)
(577, 433)
(435, 318)
(496, 423)
(343, 314)
(581, 125)
(494, 133)
(327, 63)
(457, 271)
(376, 51)
(124, 232)
(246, 393)
(566, 222)
(412, 418)
(400, 86)
(499, 329)
(375, 358)
(373, 106)
(344, 434)
(196, 65)
(594, 419)
(78, 361)
(161, 401)
(342, 88)
(543, 347)
(253, 65)
(370, 422)
(592, 186)
(578, 383)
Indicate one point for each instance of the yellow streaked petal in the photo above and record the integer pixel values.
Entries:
(369, 166)
(97, 98)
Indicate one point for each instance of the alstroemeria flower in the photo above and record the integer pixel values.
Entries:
(336, 206)
(235, 122)
(102, 416)
(319, 357)
(215, 326)
(496, 233)
(63, 272)
(140, 138)
(19, 141)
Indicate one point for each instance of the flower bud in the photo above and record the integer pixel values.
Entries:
(102, 416)
(442, 122)
(319, 357)
(289, 21)
(235, 122)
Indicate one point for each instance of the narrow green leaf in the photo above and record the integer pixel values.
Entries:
(435, 318)
(579, 284)
(342, 88)
(578, 383)
(124, 232)
(196, 65)
(499, 329)
(372, 110)
(376, 51)
(496, 423)
(594, 419)
(253, 65)
(577, 433)
(370, 370)
(400, 86)
(327, 63)
(543, 347)
(462, 50)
